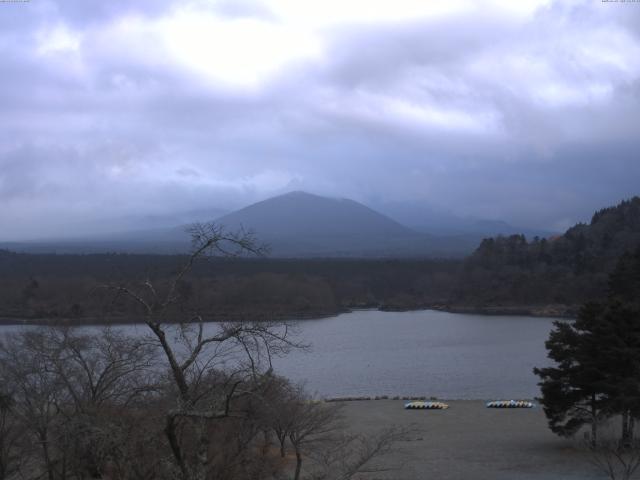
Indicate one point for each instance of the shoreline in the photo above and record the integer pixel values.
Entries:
(541, 311)
(410, 398)
(549, 310)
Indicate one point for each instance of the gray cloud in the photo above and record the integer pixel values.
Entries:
(532, 119)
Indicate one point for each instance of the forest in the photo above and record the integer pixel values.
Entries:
(548, 276)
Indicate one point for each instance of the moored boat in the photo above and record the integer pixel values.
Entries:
(510, 404)
(421, 405)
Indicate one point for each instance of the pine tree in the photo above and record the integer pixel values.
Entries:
(573, 393)
(597, 360)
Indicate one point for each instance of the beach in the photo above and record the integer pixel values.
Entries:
(469, 441)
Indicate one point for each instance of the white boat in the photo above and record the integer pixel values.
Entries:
(422, 405)
(510, 404)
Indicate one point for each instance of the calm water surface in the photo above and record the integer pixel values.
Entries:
(421, 353)
(446, 355)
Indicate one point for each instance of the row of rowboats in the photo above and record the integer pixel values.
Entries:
(422, 405)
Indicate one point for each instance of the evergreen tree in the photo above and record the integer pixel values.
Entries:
(597, 360)
(573, 393)
(624, 281)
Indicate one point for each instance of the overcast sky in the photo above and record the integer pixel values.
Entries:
(526, 111)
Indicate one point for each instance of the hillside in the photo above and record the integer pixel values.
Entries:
(302, 224)
(566, 270)
(584, 247)
(300, 213)
(423, 217)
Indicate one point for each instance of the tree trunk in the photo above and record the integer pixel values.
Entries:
(267, 442)
(298, 465)
(178, 374)
(594, 422)
(170, 432)
(626, 429)
(47, 457)
(203, 451)
(282, 441)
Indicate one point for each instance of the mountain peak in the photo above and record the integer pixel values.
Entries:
(297, 193)
(301, 194)
(314, 224)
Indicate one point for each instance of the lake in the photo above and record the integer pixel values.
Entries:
(426, 352)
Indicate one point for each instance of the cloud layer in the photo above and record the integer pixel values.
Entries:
(525, 111)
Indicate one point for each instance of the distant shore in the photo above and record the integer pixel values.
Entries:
(559, 311)
(556, 310)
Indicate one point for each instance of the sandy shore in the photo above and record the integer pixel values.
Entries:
(469, 441)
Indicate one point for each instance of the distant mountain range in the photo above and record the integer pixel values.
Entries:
(297, 224)
(426, 219)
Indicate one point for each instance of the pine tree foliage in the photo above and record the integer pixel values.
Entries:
(597, 359)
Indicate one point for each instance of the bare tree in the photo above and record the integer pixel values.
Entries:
(311, 422)
(188, 400)
(315, 431)
(618, 459)
(10, 455)
(37, 393)
(105, 374)
(194, 354)
(346, 455)
(106, 367)
(279, 400)
(68, 392)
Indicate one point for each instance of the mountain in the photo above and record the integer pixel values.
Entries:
(296, 224)
(158, 233)
(302, 224)
(424, 218)
(139, 223)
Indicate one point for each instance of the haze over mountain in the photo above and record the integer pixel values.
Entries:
(296, 224)
(437, 221)
(302, 224)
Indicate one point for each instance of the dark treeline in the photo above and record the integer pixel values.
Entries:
(566, 270)
(591, 248)
(504, 275)
(68, 286)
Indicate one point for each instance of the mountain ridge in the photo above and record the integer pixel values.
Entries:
(304, 224)
(296, 224)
